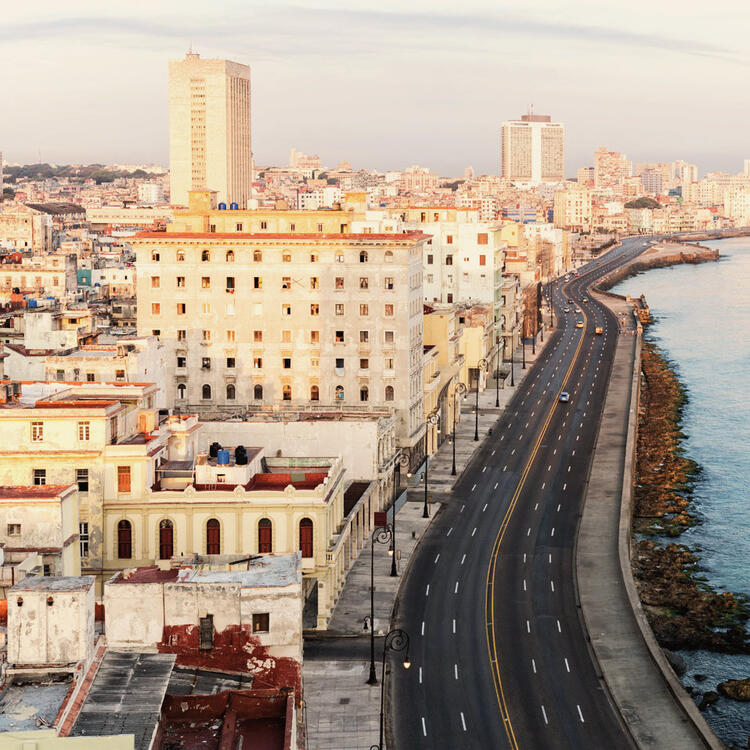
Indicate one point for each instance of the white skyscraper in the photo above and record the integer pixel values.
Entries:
(209, 129)
(533, 150)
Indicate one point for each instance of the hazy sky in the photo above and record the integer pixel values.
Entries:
(384, 84)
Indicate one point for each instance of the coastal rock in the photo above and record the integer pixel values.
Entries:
(708, 699)
(678, 664)
(738, 690)
(700, 677)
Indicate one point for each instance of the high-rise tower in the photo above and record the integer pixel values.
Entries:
(533, 150)
(209, 129)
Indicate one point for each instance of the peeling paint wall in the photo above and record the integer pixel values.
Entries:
(134, 615)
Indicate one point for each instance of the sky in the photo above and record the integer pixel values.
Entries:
(384, 84)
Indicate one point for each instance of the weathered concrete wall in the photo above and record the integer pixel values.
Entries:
(135, 615)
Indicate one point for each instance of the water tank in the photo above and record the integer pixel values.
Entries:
(222, 206)
(222, 457)
(32, 303)
(234, 206)
(213, 449)
(240, 455)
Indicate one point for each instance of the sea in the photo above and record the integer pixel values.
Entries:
(702, 324)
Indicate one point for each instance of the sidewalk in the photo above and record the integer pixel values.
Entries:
(653, 705)
(342, 711)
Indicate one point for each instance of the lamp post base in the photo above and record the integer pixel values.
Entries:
(373, 678)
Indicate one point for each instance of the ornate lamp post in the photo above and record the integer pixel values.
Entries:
(497, 371)
(381, 535)
(523, 352)
(396, 640)
(402, 460)
(458, 390)
(481, 365)
(512, 374)
(432, 419)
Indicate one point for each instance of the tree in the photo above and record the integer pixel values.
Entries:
(643, 202)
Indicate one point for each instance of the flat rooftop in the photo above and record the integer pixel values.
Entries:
(54, 583)
(22, 705)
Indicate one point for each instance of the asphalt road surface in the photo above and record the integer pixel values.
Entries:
(499, 655)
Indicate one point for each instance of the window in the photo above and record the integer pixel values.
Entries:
(205, 256)
(364, 337)
(389, 337)
(124, 540)
(265, 528)
(213, 537)
(60, 375)
(82, 480)
(314, 362)
(429, 278)
(180, 282)
(364, 393)
(450, 297)
(258, 363)
(166, 539)
(306, 537)
(258, 336)
(339, 392)
(314, 282)
(155, 282)
(257, 282)
(339, 257)
(257, 254)
(292, 227)
(258, 392)
(363, 256)
(389, 363)
(231, 335)
(206, 392)
(84, 430)
(230, 285)
(90, 377)
(339, 363)
(314, 393)
(448, 260)
(181, 388)
(482, 238)
(286, 337)
(313, 257)
(230, 253)
(388, 256)
(14, 529)
(231, 392)
(364, 363)
(314, 309)
(37, 432)
(156, 332)
(205, 282)
(120, 375)
(206, 335)
(181, 308)
(449, 239)
(320, 227)
(180, 256)
(286, 393)
(286, 258)
(155, 257)
(389, 393)
(286, 309)
(231, 362)
(364, 310)
(155, 308)
(339, 337)
(123, 479)
(206, 633)
(388, 282)
(286, 363)
(261, 622)
(429, 260)
(364, 282)
(314, 337)
(389, 311)
(83, 538)
(339, 282)
(482, 260)
(286, 282)
(339, 309)
(205, 363)
(182, 335)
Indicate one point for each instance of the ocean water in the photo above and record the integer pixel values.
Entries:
(702, 323)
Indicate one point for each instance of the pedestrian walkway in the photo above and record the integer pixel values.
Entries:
(341, 709)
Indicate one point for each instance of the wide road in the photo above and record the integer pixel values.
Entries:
(499, 654)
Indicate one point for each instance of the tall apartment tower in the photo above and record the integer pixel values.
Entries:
(533, 150)
(209, 129)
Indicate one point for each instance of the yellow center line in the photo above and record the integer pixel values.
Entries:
(491, 570)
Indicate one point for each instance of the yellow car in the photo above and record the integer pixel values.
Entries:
(579, 324)
(599, 330)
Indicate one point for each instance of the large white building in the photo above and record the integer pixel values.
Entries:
(533, 150)
(209, 129)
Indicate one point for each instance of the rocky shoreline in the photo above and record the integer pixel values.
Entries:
(683, 611)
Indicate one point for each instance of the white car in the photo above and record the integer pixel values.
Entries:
(564, 397)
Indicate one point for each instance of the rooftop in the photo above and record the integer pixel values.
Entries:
(54, 583)
(24, 705)
(349, 237)
(33, 492)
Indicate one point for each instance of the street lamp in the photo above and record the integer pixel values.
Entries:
(401, 460)
(497, 371)
(459, 389)
(432, 419)
(512, 373)
(481, 365)
(396, 640)
(523, 352)
(381, 535)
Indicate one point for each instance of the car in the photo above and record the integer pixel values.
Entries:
(599, 331)
(578, 309)
(564, 397)
(570, 301)
(566, 309)
(585, 299)
(579, 324)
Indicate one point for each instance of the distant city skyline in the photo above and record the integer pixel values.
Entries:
(381, 86)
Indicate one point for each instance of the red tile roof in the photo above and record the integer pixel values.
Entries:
(32, 492)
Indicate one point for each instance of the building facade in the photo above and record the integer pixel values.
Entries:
(533, 150)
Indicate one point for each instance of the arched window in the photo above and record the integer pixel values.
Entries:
(258, 392)
(206, 391)
(124, 540)
(364, 393)
(257, 256)
(265, 543)
(155, 256)
(339, 257)
(166, 539)
(230, 256)
(389, 393)
(363, 256)
(181, 388)
(306, 537)
(286, 257)
(314, 393)
(180, 256)
(388, 256)
(286, 393)
(231, 392)
(213, 537)
(339, 392)
(206, 255)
